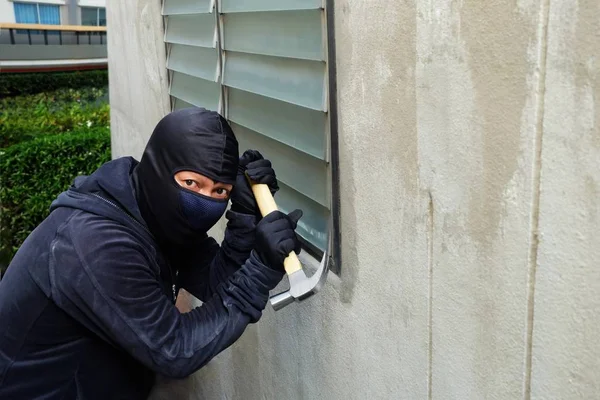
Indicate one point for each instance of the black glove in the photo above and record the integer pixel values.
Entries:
(259, 170)
(276, 238)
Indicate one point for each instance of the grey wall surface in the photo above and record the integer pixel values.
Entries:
(470, 155)
(73, 13)
(52, 52)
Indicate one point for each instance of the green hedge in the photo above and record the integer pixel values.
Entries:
(33, 173)
(28, 116)
(15, 84)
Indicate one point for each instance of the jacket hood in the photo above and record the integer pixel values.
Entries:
(107, 192)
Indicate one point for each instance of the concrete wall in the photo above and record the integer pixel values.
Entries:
(7, 11)
(470, 155)
(137, 73)
(73, 13)
(566, 351)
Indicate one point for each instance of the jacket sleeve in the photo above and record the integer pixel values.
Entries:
(214, 264)
(106, 281)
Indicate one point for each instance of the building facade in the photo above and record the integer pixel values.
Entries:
(77, 42)
(468, 162)
(54, 12)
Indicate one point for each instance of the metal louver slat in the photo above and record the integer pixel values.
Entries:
(200, 62)
(174, 7)
(194, 30)
(228, 6)
(295, 34)
(298, 82)
(298, 127)
(199, 92)
(179, 104)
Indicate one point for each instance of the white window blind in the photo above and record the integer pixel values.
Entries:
(263, 65)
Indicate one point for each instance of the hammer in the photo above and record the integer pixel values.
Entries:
(301, 286)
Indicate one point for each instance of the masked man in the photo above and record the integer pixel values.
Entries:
(87, 306)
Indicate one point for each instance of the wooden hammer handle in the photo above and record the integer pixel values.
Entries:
(266, 205)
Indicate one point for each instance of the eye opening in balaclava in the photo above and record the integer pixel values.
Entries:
(191, 139)
(201, 211)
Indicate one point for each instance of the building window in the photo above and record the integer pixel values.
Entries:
(93, 16)
(265, 65)
(34, 13)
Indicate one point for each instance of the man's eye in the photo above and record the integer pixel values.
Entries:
(221, 191)
(189, 182)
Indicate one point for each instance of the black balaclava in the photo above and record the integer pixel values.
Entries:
(191, 139)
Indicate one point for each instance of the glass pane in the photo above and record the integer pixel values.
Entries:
(49, 14)
(89, 16)
(26, 13)
(102, 16)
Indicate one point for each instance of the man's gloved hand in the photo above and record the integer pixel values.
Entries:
(259, 170)
(276, 238)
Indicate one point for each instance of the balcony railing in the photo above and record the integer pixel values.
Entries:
(35, 46)
(36, 34)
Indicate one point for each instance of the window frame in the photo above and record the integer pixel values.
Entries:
(37, 9)
(97, 14)
(335, 261)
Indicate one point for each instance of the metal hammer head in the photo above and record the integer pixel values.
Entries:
(301, 286)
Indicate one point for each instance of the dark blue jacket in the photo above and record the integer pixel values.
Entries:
(87, 304)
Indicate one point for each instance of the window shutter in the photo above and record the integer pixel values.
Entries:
(193, 54)
(262, 64)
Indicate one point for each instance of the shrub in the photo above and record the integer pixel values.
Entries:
(15, 84)
(33, 173)
(25, 117)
